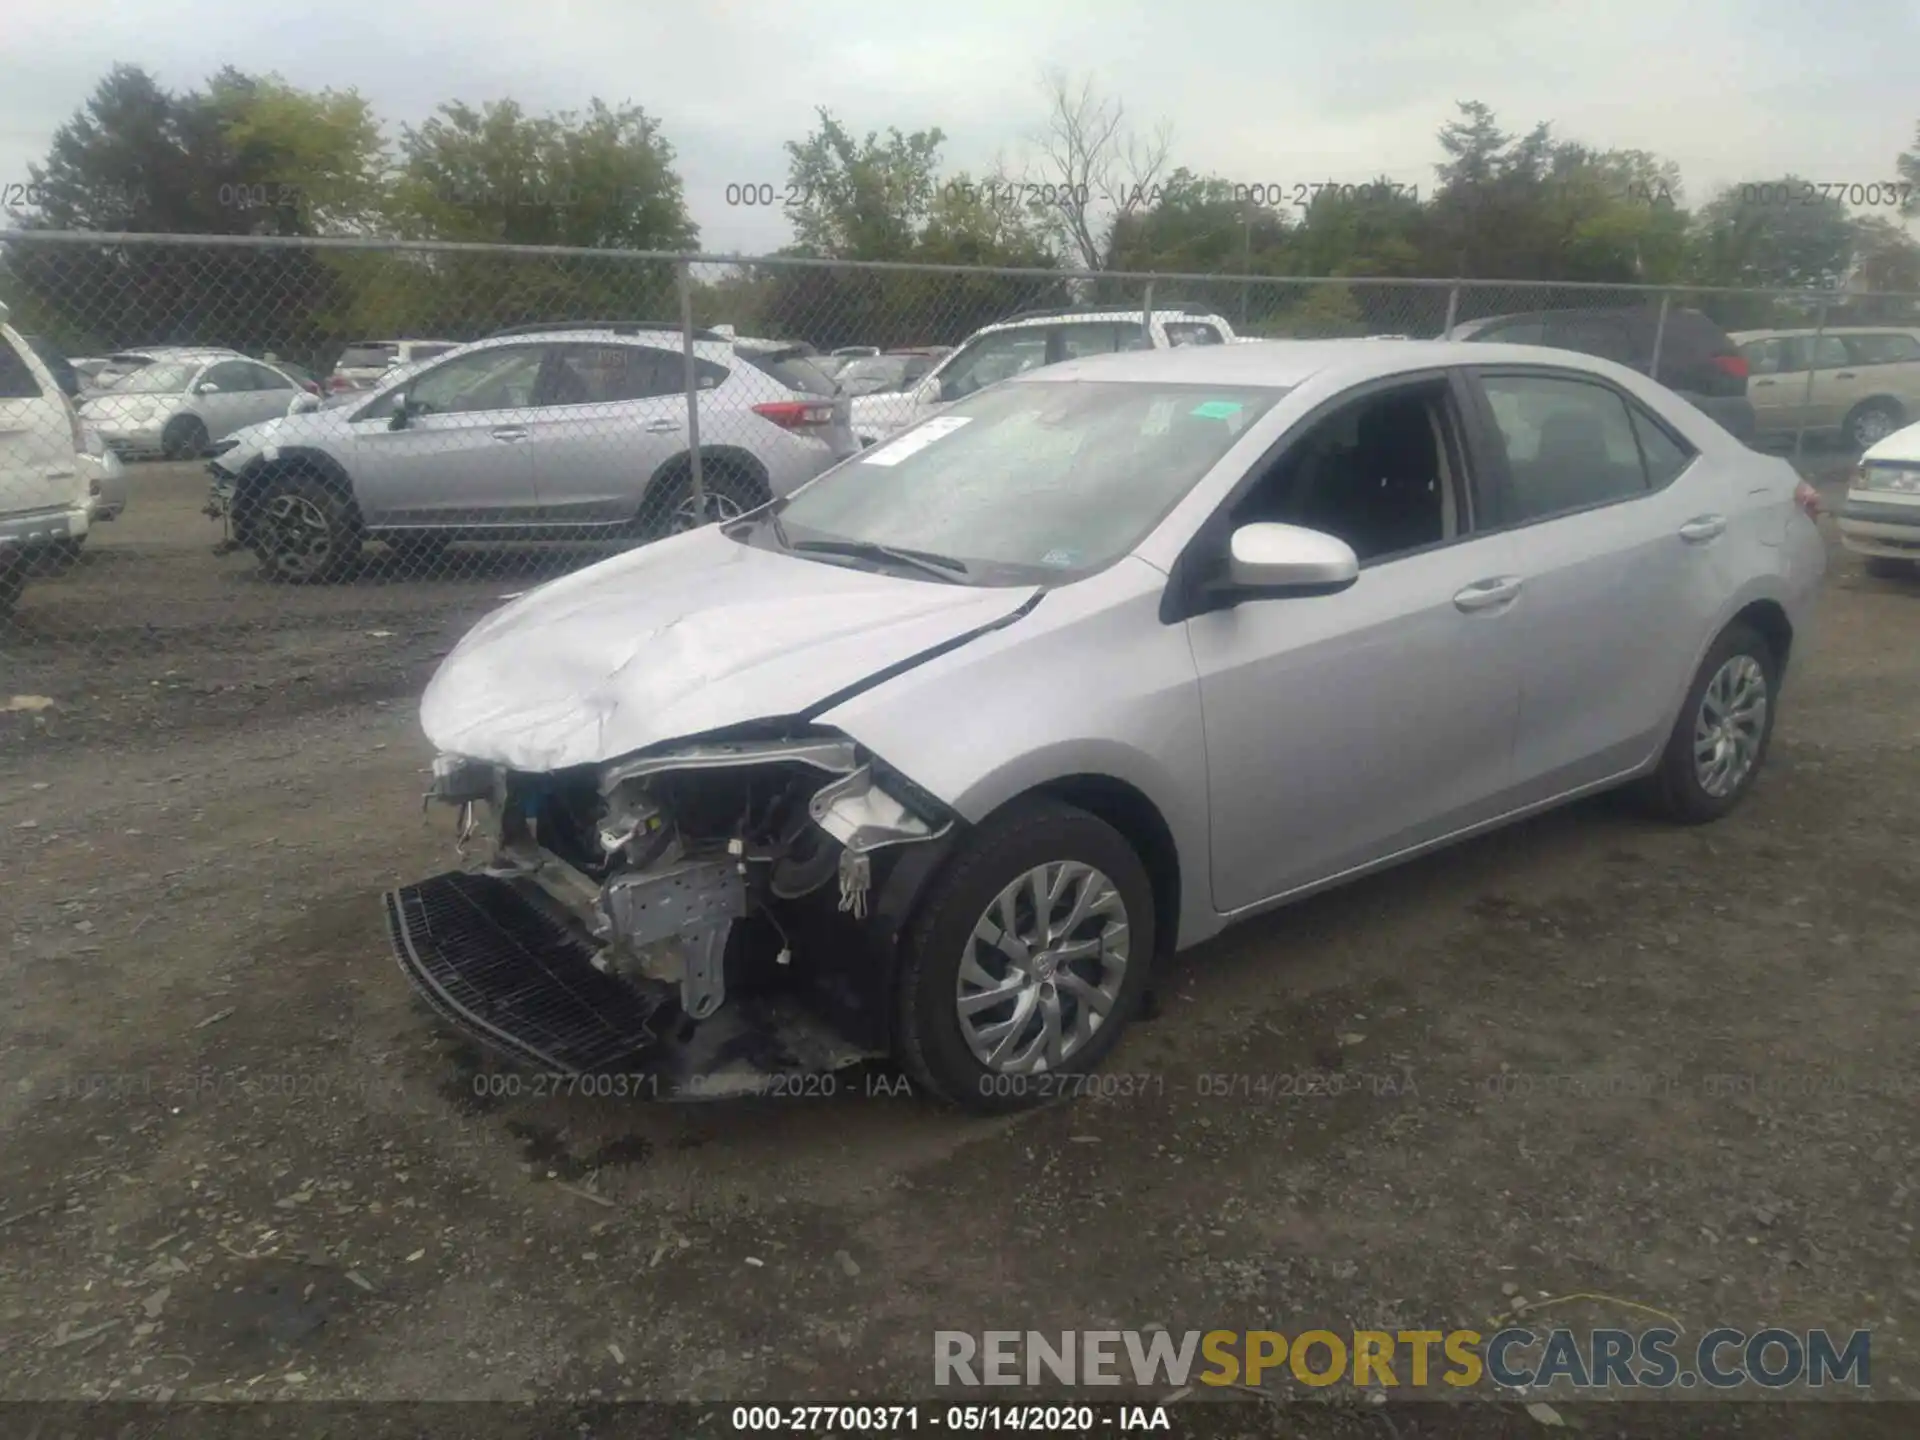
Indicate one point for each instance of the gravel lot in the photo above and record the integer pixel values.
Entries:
(1591, 1055)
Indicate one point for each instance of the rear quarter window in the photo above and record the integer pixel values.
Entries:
(792, 369)
(17, 380)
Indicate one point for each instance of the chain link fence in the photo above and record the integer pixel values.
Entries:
(280, 464)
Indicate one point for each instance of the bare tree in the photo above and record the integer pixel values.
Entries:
(1092, 168)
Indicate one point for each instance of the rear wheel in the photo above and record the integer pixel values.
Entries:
(1871, 422)
(728, 492)
(1720, 740)
(1028, 957)
(184, 438)
(302, 530)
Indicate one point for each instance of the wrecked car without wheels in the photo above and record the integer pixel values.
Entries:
(936, 757)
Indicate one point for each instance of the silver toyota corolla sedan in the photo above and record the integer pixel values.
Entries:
(936, 757)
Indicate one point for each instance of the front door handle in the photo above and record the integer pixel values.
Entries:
(511, 432)
(1703, 528)
(1845, 375)
(660, 427)
(1761, 384)
(1486, 594)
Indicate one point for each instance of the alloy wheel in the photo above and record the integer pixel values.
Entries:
(1043, 968)
(297, 535)
(1730, 723)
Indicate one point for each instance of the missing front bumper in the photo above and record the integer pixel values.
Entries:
(492, 963)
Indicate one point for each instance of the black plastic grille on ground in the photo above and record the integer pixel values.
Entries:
(491, 964)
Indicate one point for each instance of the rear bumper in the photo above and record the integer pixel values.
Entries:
(495, 961)
(30, 530)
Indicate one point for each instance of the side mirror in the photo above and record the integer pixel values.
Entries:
(206, 387)
(1268, 558)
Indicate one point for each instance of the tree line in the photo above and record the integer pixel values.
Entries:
(1093, 194)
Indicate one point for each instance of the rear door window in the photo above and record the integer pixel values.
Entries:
(1570, 445)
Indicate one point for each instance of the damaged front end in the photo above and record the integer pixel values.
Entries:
(708, 916)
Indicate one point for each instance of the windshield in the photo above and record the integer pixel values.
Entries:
(875, 374)
(1049, 477)
(163, 377)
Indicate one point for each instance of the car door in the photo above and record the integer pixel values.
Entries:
(609, 417)
(1777, 382)
(460, 457)
(1837, 382)
(1618, 528)
(232, 400)
(270, 394)
(1344, 729)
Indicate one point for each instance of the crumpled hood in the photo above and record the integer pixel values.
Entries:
(679, 638)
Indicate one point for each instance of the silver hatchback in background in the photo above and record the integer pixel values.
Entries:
(576, 431)
(939, 756)
(175, 404)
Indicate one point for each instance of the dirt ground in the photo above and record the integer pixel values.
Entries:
(1590, 1056)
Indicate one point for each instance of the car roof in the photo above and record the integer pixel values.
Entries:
(180, 352)
(1077, 317)
(1743, 336)
(1287, 363)
(652, 339)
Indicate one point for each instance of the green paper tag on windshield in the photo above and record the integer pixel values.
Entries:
(1217, 410)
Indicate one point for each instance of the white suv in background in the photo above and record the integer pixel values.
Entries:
(1026, 341)
(365, 363)
(45, 502)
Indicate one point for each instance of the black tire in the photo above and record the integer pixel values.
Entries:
(13, 580)
(302, 530)
(929, 1044)
(1871, 421)
(1676, 791)
(184, 438)
(729, 491)
(418, 555)
(1889, 567)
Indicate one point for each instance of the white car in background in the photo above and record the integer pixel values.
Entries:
(176, 406)
(1027, 341)
(45, 500)
(1880, 518)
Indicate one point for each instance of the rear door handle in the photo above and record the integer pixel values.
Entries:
(660, 427)
(1486, 594)
(1846, 375)
(510, 432)
(1703, 528)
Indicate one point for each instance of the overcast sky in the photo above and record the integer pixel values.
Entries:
(1259, 91)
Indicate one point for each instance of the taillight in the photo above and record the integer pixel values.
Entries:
(1734, 365)
(1808, 499)
(796, 414)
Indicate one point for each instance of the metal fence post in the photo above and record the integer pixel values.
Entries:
(1806, 395)
(684, 278)
(1453, 309)
(1659, 334)
(1146, 316)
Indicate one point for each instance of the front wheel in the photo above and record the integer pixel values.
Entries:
(184, 438)
(302, 531)
(1029, 956)
(1720, 740)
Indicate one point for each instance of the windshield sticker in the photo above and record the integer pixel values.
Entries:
(1216, 410)
(914, 441)
(1065, 559)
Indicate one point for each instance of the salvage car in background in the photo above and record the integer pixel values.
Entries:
(937, 756)
(540, 432)
(1859, 382)
(1880, 518)
(365, 363)
(173, 407)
